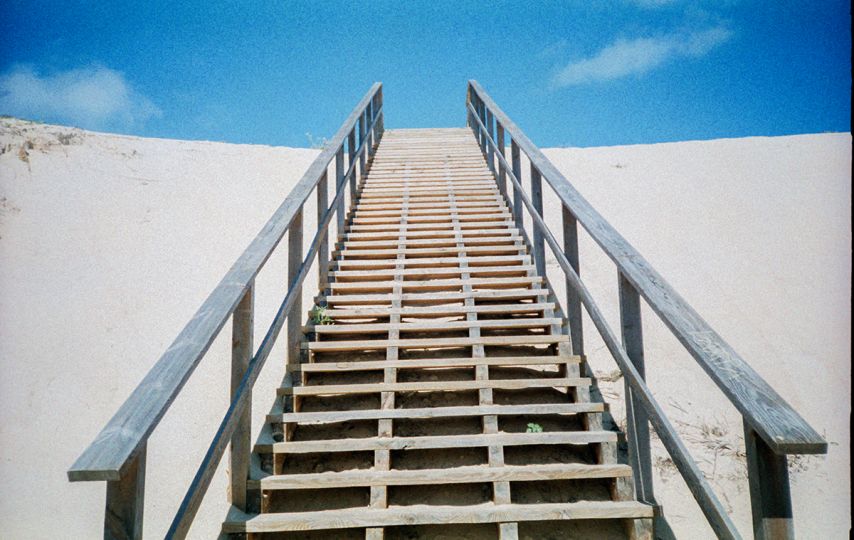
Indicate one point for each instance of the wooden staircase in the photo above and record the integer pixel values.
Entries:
(438, 392)
(437, 396)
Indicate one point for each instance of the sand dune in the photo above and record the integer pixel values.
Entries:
(108, 244)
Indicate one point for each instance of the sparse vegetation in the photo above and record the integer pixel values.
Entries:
(319, 316)
(534, 428)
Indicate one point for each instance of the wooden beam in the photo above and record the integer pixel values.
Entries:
(422, 443)
(425, 514)
(436, 412)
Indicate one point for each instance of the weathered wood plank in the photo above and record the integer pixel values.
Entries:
(362, 365)
(437, 311)
(432, 386)
(422, 443)
(453, 475)
(436, 412)
(241, 353)
(428, 343)
(423, 514)
(442, 326)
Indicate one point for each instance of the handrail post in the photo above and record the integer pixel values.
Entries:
(502, 173)
(339, 177)
(294, 263)
(369, 116)
(770, 497)
(537, 199)
(351, 156)
(380, 120)
(573, 300)
(490, 148)
(126, 501)
(516, 159)
(482, 117)
(323, 247)
(637, 420)
(361, 125)
(242, 329)
(469, 92)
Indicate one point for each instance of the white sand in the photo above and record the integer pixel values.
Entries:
(108, 244)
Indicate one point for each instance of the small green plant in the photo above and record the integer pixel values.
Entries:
(534, 428)
(319, 316)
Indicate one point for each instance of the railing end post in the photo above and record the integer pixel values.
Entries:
(126, 501)
(770, 496)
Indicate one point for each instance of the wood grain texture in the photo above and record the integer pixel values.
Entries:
(454, 475)
(423, 514)
(421, 443)
(437, 412)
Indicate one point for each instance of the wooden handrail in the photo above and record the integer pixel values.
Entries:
(242, 395)
(782, 428)
(696, 482)
(117, 455)
(132, 424)
(764, 412)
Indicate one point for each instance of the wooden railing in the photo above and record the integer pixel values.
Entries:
(772, 429)
(117, 455)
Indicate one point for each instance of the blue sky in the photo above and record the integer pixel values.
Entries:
(574, 73)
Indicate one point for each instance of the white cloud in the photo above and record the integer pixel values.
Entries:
(636, 56)
(92, 97)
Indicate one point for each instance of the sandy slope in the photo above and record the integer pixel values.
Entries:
(108, 244)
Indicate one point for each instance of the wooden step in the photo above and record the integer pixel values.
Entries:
(433, 242)
(437, 311)
(353, 287)
(443, 326)
(432, 343)
(495, 222)
(454, 475)
(436, 297)
(437, 262)
(424, 363)
(413, 235)
(424, 252)
(576, 438)
(433, 386)
(426, 514)
(325, 417)
(427, 273)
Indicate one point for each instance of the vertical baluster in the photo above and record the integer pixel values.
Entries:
(516, 162)
(339, 185)
(323, 245)
(294, 263)
(381, 120)
(573, 301)
(636, 418)
(351, 156)
(482, 114)
(469, 122)
(502, 173)
(490, 130)
(770, 497)
(369, 120)
(537, 200)
(126, 501)
(361, 125)
(241, 353)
